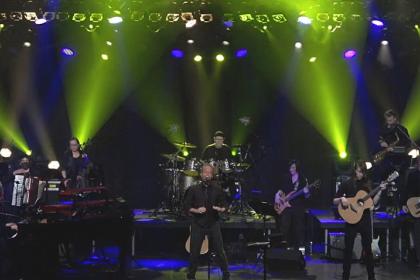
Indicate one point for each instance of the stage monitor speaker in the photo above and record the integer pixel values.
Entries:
(281, 259)
(336, 246)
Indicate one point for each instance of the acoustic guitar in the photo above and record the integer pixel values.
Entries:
(204, 246)
(413, 205)
(283, 202)
(353, 213)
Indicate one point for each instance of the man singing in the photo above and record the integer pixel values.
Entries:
(204, 202)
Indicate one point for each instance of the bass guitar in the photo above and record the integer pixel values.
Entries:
(353, 213)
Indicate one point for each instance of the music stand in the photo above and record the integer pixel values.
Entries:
(265, 209)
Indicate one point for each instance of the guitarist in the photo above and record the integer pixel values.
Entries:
(291, 222)
(204, 202)
(359, 181)
(413, 190)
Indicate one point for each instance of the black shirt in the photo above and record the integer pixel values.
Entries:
(390, 134)
(413, 184)
(288, 187)
(350, 187)
(75, 166)
(211, 152)
(205, 195)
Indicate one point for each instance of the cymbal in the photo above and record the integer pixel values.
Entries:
(243, 165)
(173, 157)
(185, 145)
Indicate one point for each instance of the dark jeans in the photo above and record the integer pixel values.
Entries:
(364, 227)
(216, 242)
(416, 227)
(291, 224)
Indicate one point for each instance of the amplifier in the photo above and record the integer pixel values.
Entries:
(336, 246)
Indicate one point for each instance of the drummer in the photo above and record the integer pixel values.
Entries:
(217, 151)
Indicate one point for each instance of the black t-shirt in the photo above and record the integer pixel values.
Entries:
(413, 184)
(205, 195)
(75, 166)
(211, 152)
(390, 134)
(288, 186)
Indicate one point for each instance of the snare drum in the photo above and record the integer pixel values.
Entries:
(226, 166)
(192, 167)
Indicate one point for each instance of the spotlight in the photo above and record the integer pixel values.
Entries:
(67, 52)
(79, 17)
(298, 45)
(206, 18)
(339, 18)
(312, 59)
(104, 56)
(234, 152)
(5, 152)
(54, 164)
(40, 21)
(225, 43)
(241, 53)
(369, 165)
(190, 41)
(190, 23)
(30, 16)
(323, 17)
(177, 53)
(304, 20)
(228, 23)
(137, 16)
(109, 43)
(198, 58)
(185, 153)
(220, 57)
(28, 153)
(262, 18)
(343, 154)
(377, 22)
(27, 44)
(115, 20)
(16, 16)
(384, 43)
(350, 54)
(91, 28)
(187, 16)
(414, 153)
(172, 17)
(155, 17)
(280, 18)
(96, 17)
(246, 17)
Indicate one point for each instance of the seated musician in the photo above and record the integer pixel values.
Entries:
(291, 222)
(75, 167)
(359, 181)
(218, 150)
(413, 190)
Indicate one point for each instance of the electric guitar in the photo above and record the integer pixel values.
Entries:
(353, 213)
(204, 246)
(413, 205)
(281, 204)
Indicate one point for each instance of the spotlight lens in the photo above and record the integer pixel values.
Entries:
(190, 41)
(177, 53)
(369, 165)
(40, 21)
(414, 153)
(384, 43)
(53, 165)
(104, 56)
(220, 57)
(377, 22)
(343, 154)
(27, 44)
(304, 20)
(115, 20)
(312, 59)
(67, 52)
(5, 152)
(298, 45)
(185, 153)
(350, 54)
(225, 43)
(109, 43)
(198, 58)
(241, 53)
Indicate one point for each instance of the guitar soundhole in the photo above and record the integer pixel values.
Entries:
(360, 202)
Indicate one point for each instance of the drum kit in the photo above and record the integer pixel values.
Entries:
(182, 172)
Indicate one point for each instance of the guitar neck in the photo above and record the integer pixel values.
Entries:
(372, 193)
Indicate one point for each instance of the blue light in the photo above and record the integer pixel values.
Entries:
(68, 52)
(162, 264)
(228, 24)
(241, 53)
(177, 53)
(377, 22)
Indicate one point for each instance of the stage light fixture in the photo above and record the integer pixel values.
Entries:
(27, 44)
(241, 53)
(225, 43)
(177, 53)
(190, 23)
(63, 16)
(109, 43)
(220, 57)
(378, 23)
(54, 165)
(188, 16)
(3, 16)
(115, 20)
(30, 16)
(185, 153)
(28, 153)
(49, 16)
(16, 16)
(369, 165)
(104, 56)
(322, 17)
(343, 154)
(304, 20)
(172, 17)
(384, 43)
(298, 45)
(96, 17)
(339, 18)
(155, 17)
(79, 17)
(91, 28)
(349, 54)
(246, 17)
(280, 18)
(355, 17)
(68, 52)
(137, 16)
(40, 21)
(312, 59)
(206, 18)
(414, 153)
(1, 26)
(262, 19)
(5, 152)
(198, 58)
(190, 41)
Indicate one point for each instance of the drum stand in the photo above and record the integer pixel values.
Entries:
(241, 206)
